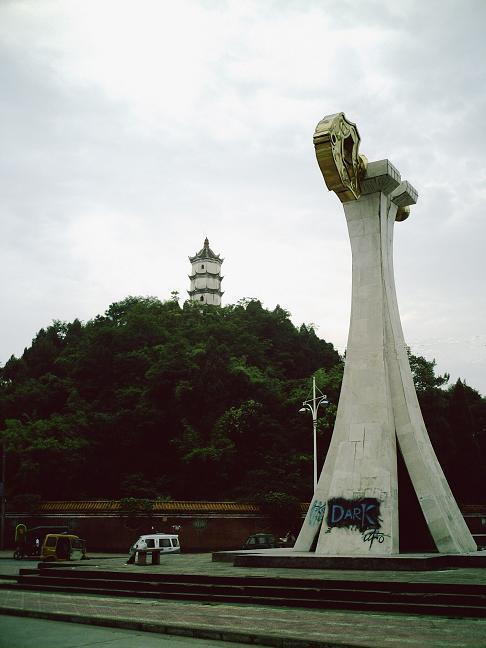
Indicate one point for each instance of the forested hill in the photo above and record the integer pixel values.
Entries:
(152, 399)
(195, 402)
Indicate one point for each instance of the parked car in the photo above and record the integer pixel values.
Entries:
(163, 542)
(261, 541)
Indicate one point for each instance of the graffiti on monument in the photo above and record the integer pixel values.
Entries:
(374, 534)
(317, 512)
(358, 514)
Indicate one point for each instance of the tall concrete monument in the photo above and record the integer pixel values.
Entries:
(355, 507)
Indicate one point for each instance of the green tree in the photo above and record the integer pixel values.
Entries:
(153, 399)
(467, 473)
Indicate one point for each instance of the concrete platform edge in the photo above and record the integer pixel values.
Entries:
(196, 632)
(279, 558)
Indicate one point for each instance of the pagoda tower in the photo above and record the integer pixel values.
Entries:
(206, 276)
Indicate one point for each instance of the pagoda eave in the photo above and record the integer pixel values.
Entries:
(200, 275)
(206, 257)
(202, 291)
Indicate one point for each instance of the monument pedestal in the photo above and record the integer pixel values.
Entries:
(288, 559)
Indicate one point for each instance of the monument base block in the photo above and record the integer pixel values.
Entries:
(275, 558)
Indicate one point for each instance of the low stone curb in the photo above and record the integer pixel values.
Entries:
(196, 632)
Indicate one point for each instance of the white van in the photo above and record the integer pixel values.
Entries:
(165, 542)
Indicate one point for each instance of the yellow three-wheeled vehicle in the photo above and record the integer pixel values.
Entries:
(48, 543)
(63, 546)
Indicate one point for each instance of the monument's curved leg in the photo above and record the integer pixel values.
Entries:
(357, 493)
(443, 517)
(354, 509)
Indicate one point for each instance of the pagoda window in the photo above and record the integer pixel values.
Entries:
(202, 267)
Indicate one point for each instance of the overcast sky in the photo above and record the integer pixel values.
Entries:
(130, 130)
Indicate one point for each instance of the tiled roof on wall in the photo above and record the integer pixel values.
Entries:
(114, 506)
(188, 507)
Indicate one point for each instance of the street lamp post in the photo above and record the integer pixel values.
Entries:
(312, 405)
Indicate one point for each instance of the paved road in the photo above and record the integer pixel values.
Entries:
(38, 633)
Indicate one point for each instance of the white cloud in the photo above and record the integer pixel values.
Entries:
(131, 130)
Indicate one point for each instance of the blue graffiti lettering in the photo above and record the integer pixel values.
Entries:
(367, 508)
(337, 513)
(316, 512)
(362, 514)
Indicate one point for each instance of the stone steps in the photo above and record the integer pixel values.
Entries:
(415, 598)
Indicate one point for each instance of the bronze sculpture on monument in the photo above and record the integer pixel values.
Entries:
(355, 510)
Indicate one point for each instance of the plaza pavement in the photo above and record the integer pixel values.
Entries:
(19, 632)
(258, 625)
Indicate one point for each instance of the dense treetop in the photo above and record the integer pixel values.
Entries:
(195, 402)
